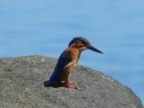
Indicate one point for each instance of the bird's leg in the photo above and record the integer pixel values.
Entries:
(68, 84)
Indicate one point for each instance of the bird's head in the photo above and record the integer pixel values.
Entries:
(82, 44)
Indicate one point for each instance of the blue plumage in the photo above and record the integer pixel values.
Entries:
(67, 62)
(55, 79)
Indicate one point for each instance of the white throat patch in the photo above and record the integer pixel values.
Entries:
(82, 48)
(71, 45)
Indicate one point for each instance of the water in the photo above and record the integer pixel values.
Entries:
(33, 27)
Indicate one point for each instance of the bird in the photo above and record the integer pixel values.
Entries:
(67, 63)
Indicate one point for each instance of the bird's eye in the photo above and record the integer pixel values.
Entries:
(83, 42)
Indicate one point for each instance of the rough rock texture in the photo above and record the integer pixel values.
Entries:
(21, 86)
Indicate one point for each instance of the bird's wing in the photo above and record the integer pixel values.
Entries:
(64, 59)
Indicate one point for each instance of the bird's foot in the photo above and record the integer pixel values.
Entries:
(70, 82)
(69, 86)
(72, 87)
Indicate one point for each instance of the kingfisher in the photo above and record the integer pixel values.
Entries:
(67, 63)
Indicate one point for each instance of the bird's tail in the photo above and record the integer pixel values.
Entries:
(53, 81)
(46, 83)
(54, 84)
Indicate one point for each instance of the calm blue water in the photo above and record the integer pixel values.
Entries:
(33, 27)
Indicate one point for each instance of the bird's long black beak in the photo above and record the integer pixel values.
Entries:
(94, 49)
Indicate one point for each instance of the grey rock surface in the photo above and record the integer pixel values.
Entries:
(21, 86)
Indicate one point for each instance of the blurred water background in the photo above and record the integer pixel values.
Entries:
(34, 27)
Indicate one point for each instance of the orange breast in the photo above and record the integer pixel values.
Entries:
(75, 53)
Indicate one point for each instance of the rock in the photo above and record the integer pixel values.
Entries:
(21, 86)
